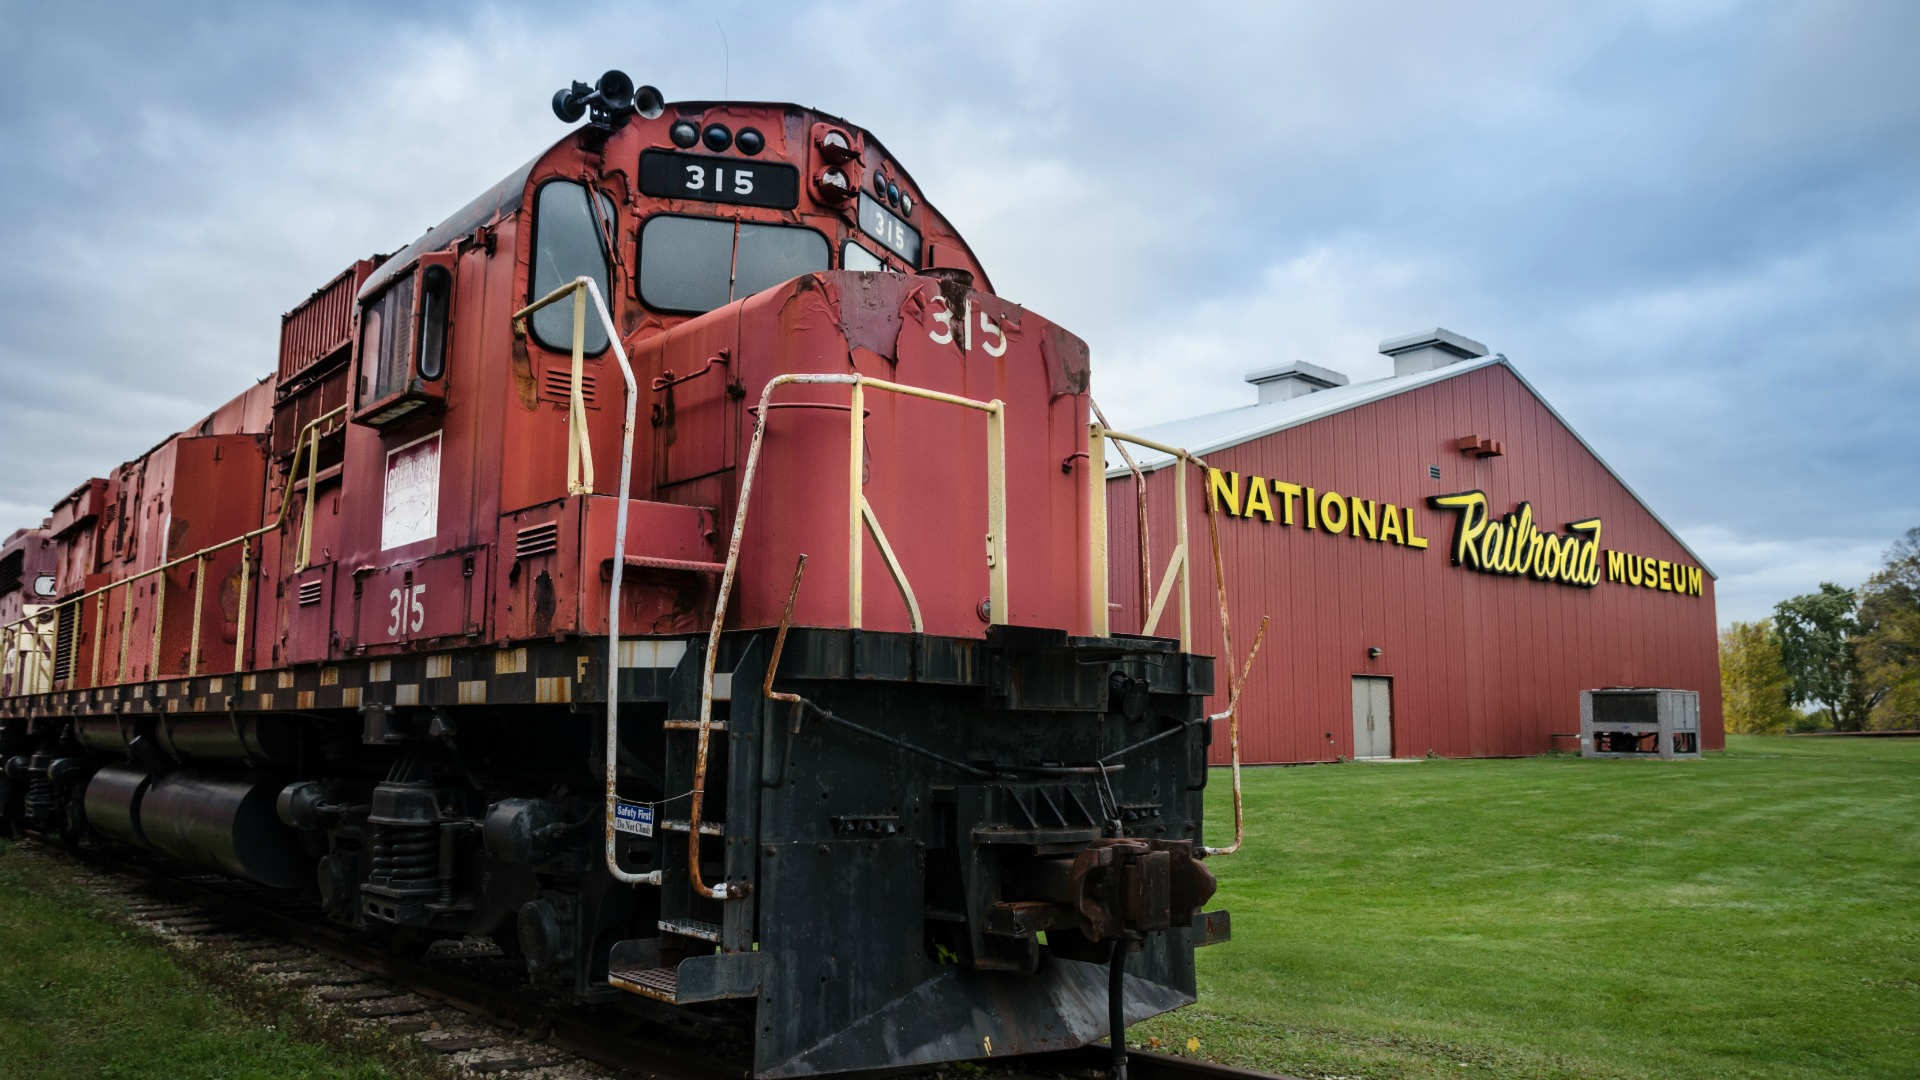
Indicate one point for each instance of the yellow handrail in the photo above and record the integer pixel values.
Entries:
(859, 515)
(304, 444)
(1180, 563)
(579, 440)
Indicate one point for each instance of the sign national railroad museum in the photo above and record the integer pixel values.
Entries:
(1512, 545)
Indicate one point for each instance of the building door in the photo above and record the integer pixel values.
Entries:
(1372, 717)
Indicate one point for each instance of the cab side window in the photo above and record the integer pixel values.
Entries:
(386, 335)
(569, 241)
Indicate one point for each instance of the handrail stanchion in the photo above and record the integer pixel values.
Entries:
(1232, 716)
(159, 622)
(1098, 616)
(1186, 554)
(199, 601)
(997, 599)
(1139, 501)
(240, 611)
(126, 625)
(304, 558)
(856, 483)
(99, 633)
(579, 453)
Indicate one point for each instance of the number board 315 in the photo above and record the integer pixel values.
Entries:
(667, 175)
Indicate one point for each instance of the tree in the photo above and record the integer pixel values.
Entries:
(1816, 632)
(1888, 643)
(1753, 680)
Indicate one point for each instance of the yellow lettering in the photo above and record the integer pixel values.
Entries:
(1616, 566)
(1333, 507)
(1666, 582)
(1548, 554)
(1364, 520)
(1524, 554)
(1224, 490)
(1390, 525)
(1693, 580)
(1492, 556)
(1467, 528)
(1587, 570)
(1288, 493)
(1313, 510)
(1414, 539)
(1635, 569)
(1257, 498)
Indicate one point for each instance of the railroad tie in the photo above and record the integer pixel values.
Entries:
(498, 1065)
(394, 1006)
(359, 993)
(460, 1043)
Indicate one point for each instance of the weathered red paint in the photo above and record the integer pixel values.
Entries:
(513, 555)
(1482, 665)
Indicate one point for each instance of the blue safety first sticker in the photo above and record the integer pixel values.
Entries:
(635, 818)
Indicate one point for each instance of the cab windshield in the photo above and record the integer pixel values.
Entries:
(695, 264)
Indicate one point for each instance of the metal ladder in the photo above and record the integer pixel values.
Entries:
(717, 956)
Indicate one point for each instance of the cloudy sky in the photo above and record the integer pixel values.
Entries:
(1694, 224)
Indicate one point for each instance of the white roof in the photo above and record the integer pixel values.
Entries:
(1216, 431)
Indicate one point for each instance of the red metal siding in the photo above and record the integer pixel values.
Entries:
(1482, 665)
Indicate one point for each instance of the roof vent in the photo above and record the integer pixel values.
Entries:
(1430, 349)
(1289, 381)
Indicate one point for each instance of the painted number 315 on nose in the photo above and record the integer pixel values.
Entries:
(993, 340)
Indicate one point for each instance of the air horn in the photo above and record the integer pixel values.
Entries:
(612, 99)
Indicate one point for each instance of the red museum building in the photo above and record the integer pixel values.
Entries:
(1447, 564)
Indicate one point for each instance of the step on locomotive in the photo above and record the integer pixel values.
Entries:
(677, 565)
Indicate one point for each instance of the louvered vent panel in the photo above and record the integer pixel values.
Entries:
(67, 625)
(557, 383)
(536, 540)
(310, 591)
(321, 325)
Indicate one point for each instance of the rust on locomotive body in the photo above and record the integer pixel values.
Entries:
(362, 625)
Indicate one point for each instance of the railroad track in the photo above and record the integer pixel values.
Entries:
(469, 1003)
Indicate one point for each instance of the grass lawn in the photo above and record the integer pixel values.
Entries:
(1756, 914)
(82, 996)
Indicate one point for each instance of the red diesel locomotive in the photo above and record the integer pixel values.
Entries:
(680, 567)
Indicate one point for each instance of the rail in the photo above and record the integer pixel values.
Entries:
(580, 482)
(307, 444)
(1179, 566)
(860, 517)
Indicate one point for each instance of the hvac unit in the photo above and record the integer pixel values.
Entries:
(1623, 722)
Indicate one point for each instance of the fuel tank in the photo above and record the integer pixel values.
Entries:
(223, 823)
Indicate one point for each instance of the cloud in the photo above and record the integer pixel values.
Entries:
(1693, 225)
(1757, 573)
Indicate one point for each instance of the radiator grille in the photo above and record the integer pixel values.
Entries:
(536, 540)
(63, 631)
(556, 385)
(321, 325)
(311, 591)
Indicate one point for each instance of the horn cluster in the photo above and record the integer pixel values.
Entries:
(613, 99)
